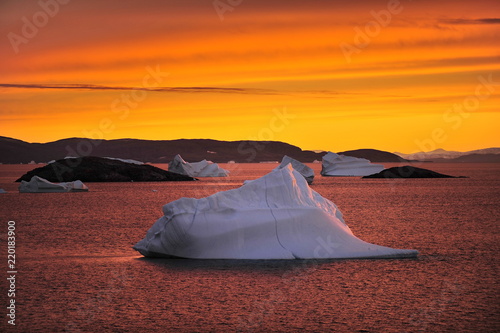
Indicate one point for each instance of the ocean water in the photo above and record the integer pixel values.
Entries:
(77, 272)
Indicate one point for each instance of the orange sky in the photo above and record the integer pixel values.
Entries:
(332, 75)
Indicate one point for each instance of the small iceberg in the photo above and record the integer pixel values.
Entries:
(41, 185)
(2, 191)
(347, 166)
(277, 216)
(197, 169)
(303, 169)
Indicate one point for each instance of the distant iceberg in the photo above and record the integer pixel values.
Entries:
(303, 169)
(2, 191)
(41, 185)
(197, 169)
(277, 216)
(341, 165)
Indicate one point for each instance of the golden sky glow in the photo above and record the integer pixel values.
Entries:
(392, 75)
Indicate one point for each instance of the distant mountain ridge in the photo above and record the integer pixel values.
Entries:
(471, 158)
(441, 155)
(162, 151)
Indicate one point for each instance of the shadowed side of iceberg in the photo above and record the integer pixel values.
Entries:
(277, 216)
(303, 169)
(313, 235)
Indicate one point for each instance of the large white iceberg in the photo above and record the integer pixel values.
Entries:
(41, 185)
(277, 216)
(303, 169)
(197, 169)
(341, 165)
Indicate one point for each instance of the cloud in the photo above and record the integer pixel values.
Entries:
(192, 90)
(158, 89)
(472, 21)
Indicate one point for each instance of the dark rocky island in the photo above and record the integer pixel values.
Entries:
(408, 171)
(99, 169)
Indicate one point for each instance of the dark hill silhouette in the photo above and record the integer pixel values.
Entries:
(374, 155)
(98, 169)
(162, 151)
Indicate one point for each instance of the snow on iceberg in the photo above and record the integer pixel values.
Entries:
(277, 216)
(197, 169)
(303, 169)
(341, 165)
(41, 185)
(126, 160)
(109, 158)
